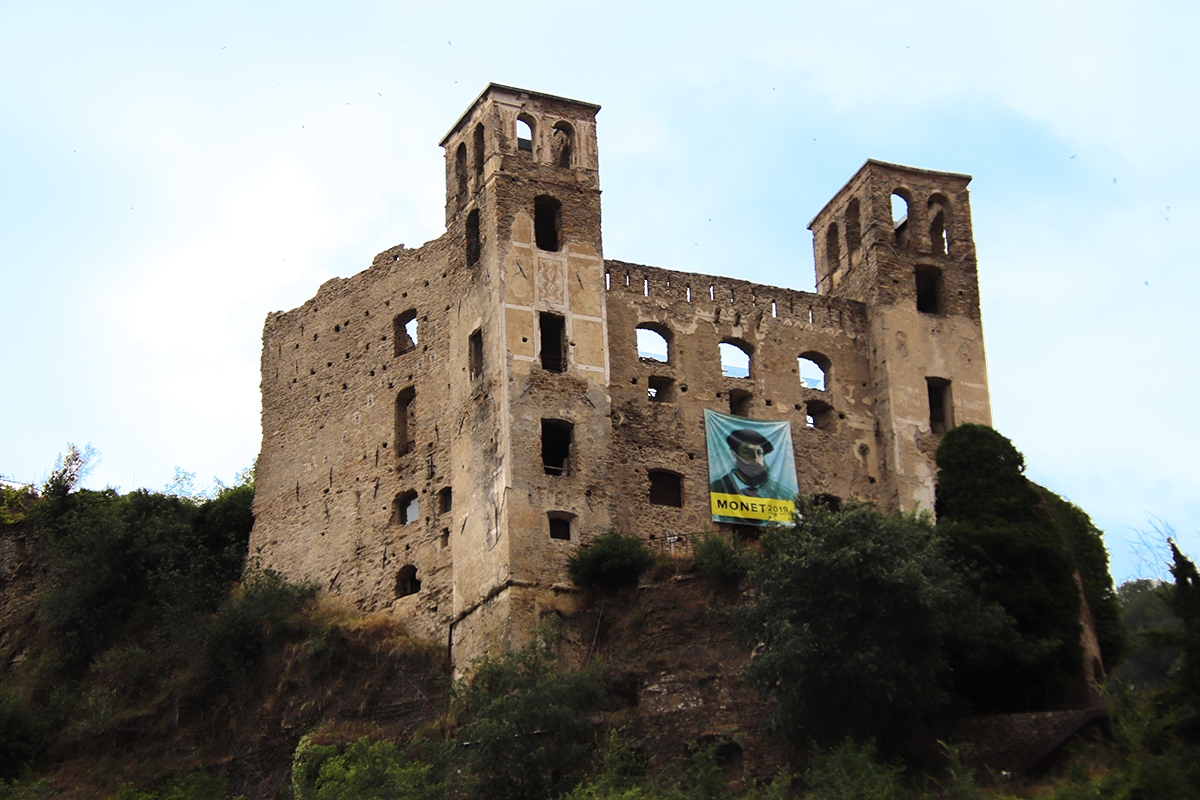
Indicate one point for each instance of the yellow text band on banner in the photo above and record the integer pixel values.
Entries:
(764, 508)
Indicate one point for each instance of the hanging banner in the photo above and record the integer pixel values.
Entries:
(751, 470)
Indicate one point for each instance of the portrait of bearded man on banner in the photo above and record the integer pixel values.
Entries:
(751, 470)
(749, 477)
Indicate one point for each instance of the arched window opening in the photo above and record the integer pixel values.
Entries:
(735, 358)
(562, 144)
(553, 329)
(654, 342)
(666, 488)
(853, 228)
(460, 170)
(404, 421)
(740, 402)
(406, 581)
(547, 223)
(525, 133)
(660, 389)
(833, 247)
(939, 225)
(900, 217)
(813, 369)
(830, 501)
(941, 405)
(556, 445)
(561, 525)
(406, 509)
(404, 331)
(929, 289)
(477, 147)
(473, 242)
(445, 500)
(820, 415)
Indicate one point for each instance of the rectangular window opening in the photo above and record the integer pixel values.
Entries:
(560, 526)
(666, 488)
(404, 421)
(554, 350)
(941, 405)
(556, 445)
(661, 389)
(929, 290)
(404, 331)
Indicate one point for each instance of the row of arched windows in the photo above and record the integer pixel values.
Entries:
(848, 236)
(654, 344)
(560, 147)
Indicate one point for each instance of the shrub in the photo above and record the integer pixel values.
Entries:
(719, 561)
(610, 562)
(852, 772)
(20, 736)
(361, 769)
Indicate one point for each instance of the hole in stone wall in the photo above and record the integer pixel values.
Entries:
(941, 406)
(653, 342)
(853, 228)
(929, 289)
(666, 488)
(460, 170)
(404, 331)
(445, 500)
(561, 524)
(813, 369)
(525, 133)
(735, 358)
(473, 242)
(554, 344)
(660, 389)
(477, 146)
(819, 415)
(556, 445)
(562, 144)
(900, 217)
(406, 509)
(833, 247)
(740, 402)
(939, 219)
(547, 222)
(406, 581)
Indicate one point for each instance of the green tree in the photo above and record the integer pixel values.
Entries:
(362, 770)
(1183, 597)
(524, 722)
(1144, 610)
(857, 617)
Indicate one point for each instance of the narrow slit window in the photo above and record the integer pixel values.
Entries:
(900, 218)
(406, 581)
(556, 445)
(554, 342)
(547, 223)
(474, 244)
(853, 228)
(404, 421)
(735, 358)
(460, 170)
(475, 353)
(929, 289)
(666, 488)
(939, 224)
(404, 331)
(941, 407)
(477, 155)
(561, 524)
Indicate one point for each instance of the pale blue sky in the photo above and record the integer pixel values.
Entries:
(171, 172)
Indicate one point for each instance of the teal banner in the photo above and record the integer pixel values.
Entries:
(751, 470)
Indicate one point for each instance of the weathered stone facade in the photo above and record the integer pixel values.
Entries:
(521, 417)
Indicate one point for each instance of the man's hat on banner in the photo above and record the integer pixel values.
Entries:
(747, 436)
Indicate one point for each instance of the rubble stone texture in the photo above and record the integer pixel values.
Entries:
(444, 429)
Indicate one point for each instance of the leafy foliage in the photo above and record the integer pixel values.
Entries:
(21, 735)
(981, 478)
(362, 769)
(1184, 599)
(853, 772)
(857, 616)
(1144, 610)
(719, 561)
(610, 562)
(524, 724)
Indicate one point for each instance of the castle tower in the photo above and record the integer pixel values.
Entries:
(522, 194)
(899, 240)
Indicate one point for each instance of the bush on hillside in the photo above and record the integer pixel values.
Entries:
(719, 561)
(610, 562)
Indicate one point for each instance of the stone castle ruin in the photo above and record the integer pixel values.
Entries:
(444, 429)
